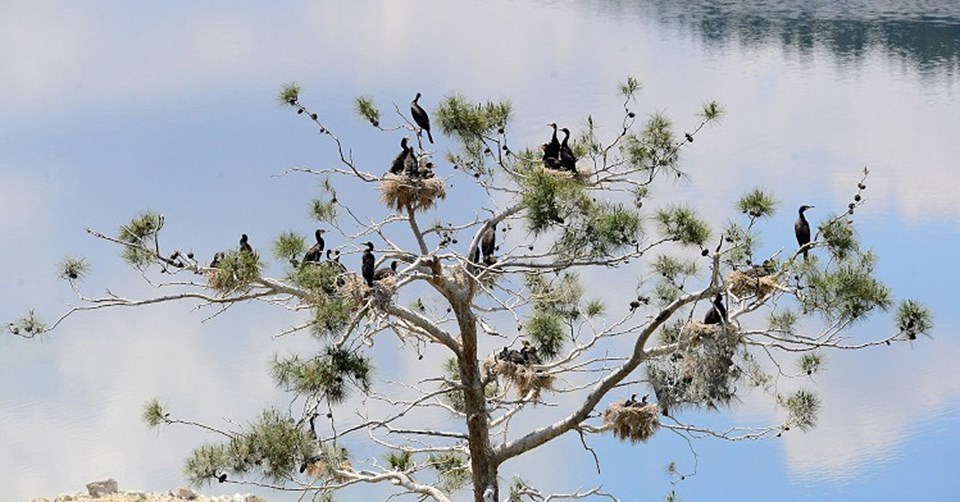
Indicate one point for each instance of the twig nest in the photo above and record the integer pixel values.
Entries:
(742, 285)
(398, 191)
(637, 423)
(355, 289)
(324, 470)
(581, 175)
(523, 377)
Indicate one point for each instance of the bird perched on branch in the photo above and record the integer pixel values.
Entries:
(367, 263)
(315, 253)
(420, 116)
(488, 244)
(802, 229)
(717, 313)
(245, 244)
(568, 161)
(551, 150)
(400, 162)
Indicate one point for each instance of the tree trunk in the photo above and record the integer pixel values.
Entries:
(475, 405)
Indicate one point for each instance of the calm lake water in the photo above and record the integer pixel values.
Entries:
(112, 112)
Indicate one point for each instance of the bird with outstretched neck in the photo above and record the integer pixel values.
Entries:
(717, 313)
(315, 253)
(802, 229)
(420, 116)
(568, 161)
(367, 264)
(400, 161)
(551, 150)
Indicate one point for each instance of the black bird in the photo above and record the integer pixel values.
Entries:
(551, 150)
(222, 478)
(568, 161)
(504, 354)
(515, 357)
(367, 264)
(630, 402)
(383, 273)
(802, 229)
(643, 401)
(401, 160)
(420, 116)
(216, 260)
(488, 243)
(315, 253)
(244, 245)
(717, 313)
(529, 354)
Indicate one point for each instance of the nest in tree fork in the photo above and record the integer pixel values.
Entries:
(323, 469)
(636, 423)
(399, 191)
(355, 289)
(525, 378)
(581, 175)
(742, 285)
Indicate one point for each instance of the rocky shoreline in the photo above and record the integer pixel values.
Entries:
(107, 491)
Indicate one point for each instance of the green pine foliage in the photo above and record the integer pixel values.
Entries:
(811, 362)
(289, 245)
(757, 204)
(324, 207)
(400, 460)
(802, 408)
(913, 319)
(602, 230)
(289, 94)
(452, 471)
(330, 375)
(840, 237)
(846, 292)
(683, 225)
(140, 233)
(549, 200)
(236, 271)
(272, 447)
(366, 108)
(73, 269)
(451, 384)
(154, 414)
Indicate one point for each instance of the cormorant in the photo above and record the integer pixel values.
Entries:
(420, 117)
(529, 354)
(718, 313)
(401, 160)
(504, 354)
(316, 251)
(629, 403)
(515, 357)
(383, 273)
(551, 150)
(643, 401)
(568, 161)
(216, 260)
(367, 263)
(488, 243)
(244, 245)
(802, 229)
(221, 478)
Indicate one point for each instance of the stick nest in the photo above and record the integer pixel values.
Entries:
(636, 423)
(524, 378)
(742, 285)
(355, 289)
(399, 191)
(581, 175)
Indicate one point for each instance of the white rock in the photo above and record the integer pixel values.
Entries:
(184, 493)
(98, 489)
